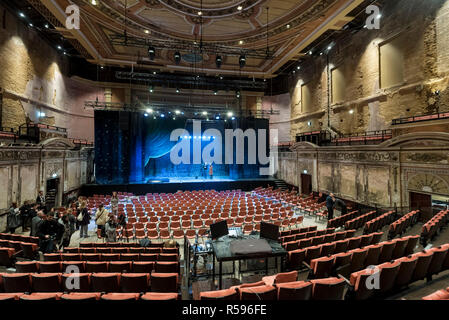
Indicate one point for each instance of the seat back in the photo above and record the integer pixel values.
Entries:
(328, 289)
(298, 290)
(227, 294)
(164, 282)
(46, 282)
(134, 282)
(105, 282)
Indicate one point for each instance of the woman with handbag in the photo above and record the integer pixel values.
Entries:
(13, 218)
(83, 219)
(101, 216)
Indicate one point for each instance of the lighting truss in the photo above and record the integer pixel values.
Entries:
(189, 46)
(195, 112)
(210, 82)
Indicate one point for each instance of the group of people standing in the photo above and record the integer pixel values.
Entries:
(331, 204)
(56, 227)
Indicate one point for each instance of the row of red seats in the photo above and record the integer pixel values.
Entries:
(119, 245)
(18, 237)
(94, 296)
(306, 234)
(89, 282)
(111, 257)
(97, 266)
(360, 221)
(120, 250)
(341, 220)
(400, 226)
(431, 228)
(379, 222)
(354, 260)
(10, 250)
(314, 241)
(399, 273)
(438, 295)
(283, 286)
(284, 233)
(296, 257)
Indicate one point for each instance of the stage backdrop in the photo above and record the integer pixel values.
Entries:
(133, 148)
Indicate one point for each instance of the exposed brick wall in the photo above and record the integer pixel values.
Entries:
(423, 27)
(33, 79)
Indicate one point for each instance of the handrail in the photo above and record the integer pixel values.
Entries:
(420, 118)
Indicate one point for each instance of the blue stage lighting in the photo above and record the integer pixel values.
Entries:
(145, 114)
(233, 118)
(217, 117)
(162, 115)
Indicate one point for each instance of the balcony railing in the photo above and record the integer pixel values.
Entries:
(369, 137)
(429, 117)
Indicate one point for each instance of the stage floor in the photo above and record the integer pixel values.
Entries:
(194, 180)
(171, 185)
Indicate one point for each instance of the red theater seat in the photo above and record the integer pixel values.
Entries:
(120, 296)
(228, 294)
(258, 293)
(85, 296)
(297, 290)
(159, 296)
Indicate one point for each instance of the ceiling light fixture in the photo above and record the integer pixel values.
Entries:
(242, 61)
(218, 61)
(177, 57)
(151, 52)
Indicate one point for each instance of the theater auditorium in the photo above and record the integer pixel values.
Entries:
(233, 150)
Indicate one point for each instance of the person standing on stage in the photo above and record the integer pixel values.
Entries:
(114, 202)
(211, 171)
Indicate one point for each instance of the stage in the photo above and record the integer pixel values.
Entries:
(171, 185)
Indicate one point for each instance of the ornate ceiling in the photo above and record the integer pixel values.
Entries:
(292, 26)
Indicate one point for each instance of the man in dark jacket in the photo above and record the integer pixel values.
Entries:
(330, 201)
(342, 205)
(35, 222)
(49, 232)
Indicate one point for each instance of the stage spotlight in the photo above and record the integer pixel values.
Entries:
(151, 89)
(242, 61)
(237, 94)
(204, 113)
(145, 114)
(177, 90)
(218, 61)
(21, 14)
(217, 117)
(151, 52)
(230, 114)
(162, 115)
(177, 57)
(233, 118)
(149, 110)
(177, 112)
(215, 92)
